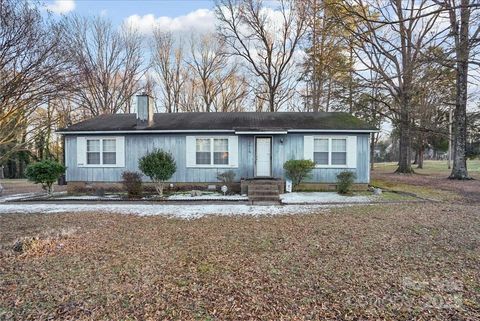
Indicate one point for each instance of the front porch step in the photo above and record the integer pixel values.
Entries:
(263, 192)
(273, 199)
(254, 189)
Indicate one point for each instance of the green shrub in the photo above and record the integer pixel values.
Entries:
(345, 181)
(46, 173)
(132, 181)
(159, 166)
(298, 170)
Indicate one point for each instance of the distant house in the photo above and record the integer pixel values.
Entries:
(252, 144)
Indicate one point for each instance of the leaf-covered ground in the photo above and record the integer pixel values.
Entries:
(403, 262)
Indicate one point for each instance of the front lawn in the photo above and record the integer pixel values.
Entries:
(404, 262)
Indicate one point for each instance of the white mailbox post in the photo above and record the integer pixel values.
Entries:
(288, 186)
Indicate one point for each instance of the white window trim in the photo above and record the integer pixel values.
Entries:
(101, 138)
(211, 165)
(330, 165)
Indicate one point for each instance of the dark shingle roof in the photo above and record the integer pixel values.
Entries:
(227, 121)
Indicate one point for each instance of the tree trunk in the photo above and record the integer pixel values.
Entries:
(350, 80)
(271, 101)
(420, 155)
(404, 158)
(329, 94)
(459, 169)
(159, 188)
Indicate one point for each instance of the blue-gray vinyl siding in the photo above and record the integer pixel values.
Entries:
(284, 147)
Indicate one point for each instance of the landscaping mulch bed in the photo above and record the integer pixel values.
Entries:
(382, 262)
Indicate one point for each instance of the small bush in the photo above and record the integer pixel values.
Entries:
(132, 181)
(345, 181)
(298, 170)
(99, 191)
(45, 173)
(159, 166)
(227, 178)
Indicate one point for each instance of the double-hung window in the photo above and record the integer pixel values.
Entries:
(330, 151)
(211, 151)
(101, 151)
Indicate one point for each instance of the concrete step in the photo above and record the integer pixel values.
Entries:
(268, 181)
(264, 199)
(263, 193)
(263, 188)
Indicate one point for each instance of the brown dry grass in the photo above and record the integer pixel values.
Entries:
(369, 262)
(431, 182)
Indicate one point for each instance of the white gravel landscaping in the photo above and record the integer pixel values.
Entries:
(16, 197)
(300, 203)
(208, 197)
(323, 197)
(176, 211)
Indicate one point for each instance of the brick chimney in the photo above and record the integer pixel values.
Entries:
(144, 110)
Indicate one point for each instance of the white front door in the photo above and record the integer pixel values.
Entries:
(263, 159)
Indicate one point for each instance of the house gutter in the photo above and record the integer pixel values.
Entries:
(101, 132)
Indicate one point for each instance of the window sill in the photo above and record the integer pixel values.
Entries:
(334, 166)
(212, 166)
(100, 166)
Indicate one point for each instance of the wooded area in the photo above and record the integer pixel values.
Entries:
(409, 64)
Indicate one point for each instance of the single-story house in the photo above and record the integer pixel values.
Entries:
(252, 144)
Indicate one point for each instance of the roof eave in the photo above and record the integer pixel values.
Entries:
(159, 131)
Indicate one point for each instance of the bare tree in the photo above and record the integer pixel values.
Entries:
(465, 32)
(31, 66)
(265, 44)
(190, 99)
(107, 62)
(211, 66)
(328, 67)
(232, 94)
(168, 62)
(434, 91)
(391, 37)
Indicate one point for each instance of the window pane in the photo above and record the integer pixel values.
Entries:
(203, 145)
(93, 158)
(109, 158)
(203, 158)
(220, 151)
(339, 145)
(220, 145)
(220, 158)
(109, 145)
(320, 158)
(93, 145)
(339, 158)
(320, 145)
(203, 154)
